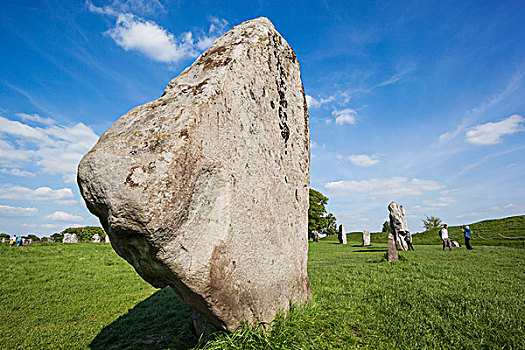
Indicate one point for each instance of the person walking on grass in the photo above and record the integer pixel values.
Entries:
(444, 237)
(19, 241)
(12, 242)
(466, 231)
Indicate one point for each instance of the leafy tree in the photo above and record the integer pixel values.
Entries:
(33, 238)
(331, 224)
(386, 226)
(431, 222)
(4, 235)
(318, 218)
(85, 233)
(58, 237)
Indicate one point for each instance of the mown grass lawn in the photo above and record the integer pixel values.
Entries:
(85, 296)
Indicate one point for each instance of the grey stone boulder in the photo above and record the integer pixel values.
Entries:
(366, 238)
(341, 235)
(95, 238)
(70, 238)
(206, 188)
(398, 225)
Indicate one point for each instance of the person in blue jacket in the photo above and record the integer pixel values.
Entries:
(466, 231)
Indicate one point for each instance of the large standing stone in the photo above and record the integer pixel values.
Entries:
(206, 188)
(70, 238)
(398, 225)
(342, 234)
(366, 238)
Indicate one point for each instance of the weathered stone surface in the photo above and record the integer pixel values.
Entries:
(342, 234)
(398, 225)
(206, 188)
(392, 254)
(95, 238)
(366, 238)
(106, 239)
(70, 238)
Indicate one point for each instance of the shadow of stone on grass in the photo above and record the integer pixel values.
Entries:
(158, 322)
(371, 250)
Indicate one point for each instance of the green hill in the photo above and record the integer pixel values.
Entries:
(506, 232)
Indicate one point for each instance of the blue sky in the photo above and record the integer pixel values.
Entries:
(420, 102)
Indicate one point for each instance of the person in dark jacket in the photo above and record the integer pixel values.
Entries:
(466, 231)
(408, 239)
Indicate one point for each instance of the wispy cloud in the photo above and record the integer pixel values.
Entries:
(8, 191)
(9, 211)
(63, 216)
(345, 116)
(57, 149)
(364, 160)
(36, 118)
(386, 187)
(430, 205)
(17, 172)
(491, 133)
(395, 78)
(313, 102)
(473, 114)
(135, 33)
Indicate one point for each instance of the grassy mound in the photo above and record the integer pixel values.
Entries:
(81, 296)
(508, 232)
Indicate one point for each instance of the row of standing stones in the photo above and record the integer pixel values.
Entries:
(73, 238)
(205, 189)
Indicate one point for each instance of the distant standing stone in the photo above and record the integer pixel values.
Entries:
(70, 238)
(206, 188)
(342, 234)
(106, 240)
(366, 238)
(95, 238)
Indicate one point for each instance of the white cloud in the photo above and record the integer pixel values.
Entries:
(346, 115)
(386, 187)
(491, 133)
(135, 33)
(132, 32)
(10, 155)
(43, 225)
(36, 118)
(18, 129)
(40, 193)
(17, 172)
(430, 205)
(316, 103)
(56, 148)
(63, 216)
(66, 201)
(364, 160)
(6, 210)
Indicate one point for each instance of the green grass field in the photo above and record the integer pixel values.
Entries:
(84, 296)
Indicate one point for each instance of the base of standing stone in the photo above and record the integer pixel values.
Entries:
(392, 250)
(203, 328)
